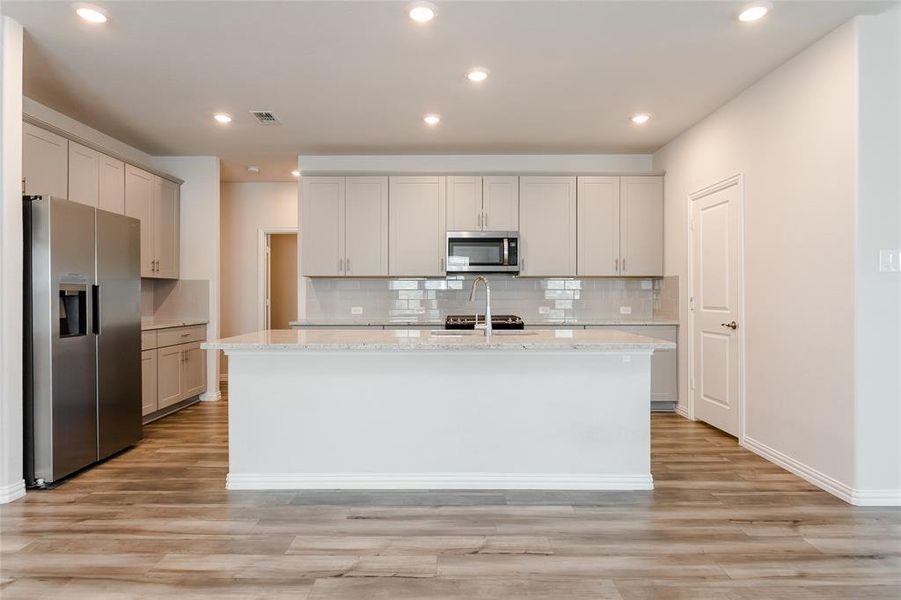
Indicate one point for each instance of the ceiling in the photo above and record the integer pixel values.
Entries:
(357, 77)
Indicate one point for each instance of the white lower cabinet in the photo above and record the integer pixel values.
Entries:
(148, 382)
(175, 370)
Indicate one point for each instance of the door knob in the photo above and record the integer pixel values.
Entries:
(730, 325)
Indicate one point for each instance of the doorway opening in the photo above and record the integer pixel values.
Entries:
(278, 278)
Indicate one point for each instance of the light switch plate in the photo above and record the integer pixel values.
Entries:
(356, 310)
(625, 310)
(890, 260)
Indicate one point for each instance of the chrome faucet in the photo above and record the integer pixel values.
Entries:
(472, 294)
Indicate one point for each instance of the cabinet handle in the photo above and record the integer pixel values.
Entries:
(442, 266)
(347, 265)
(484, 219)
(341, 265)
(616, 265)
(624, 265)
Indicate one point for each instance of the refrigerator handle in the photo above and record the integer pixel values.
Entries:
(95, 309)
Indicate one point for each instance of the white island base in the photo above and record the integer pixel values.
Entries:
(310, 411)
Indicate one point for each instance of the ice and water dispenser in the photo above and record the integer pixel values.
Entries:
(73, 310)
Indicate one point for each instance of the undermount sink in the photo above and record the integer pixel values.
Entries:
(469, 332)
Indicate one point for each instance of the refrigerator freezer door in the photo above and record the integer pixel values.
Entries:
(65, 410)
(118, 326)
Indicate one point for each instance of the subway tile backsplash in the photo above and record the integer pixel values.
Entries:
(550, 300)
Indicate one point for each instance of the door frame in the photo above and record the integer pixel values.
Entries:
(734, 180)
(263, 234)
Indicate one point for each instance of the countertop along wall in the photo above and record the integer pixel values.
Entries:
(793, 136)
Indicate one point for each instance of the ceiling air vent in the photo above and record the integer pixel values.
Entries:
(265, 117)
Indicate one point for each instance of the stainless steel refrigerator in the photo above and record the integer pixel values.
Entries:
(82, 336)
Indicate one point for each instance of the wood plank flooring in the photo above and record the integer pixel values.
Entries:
(722, 523)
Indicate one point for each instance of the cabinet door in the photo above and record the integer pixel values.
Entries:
(366, 226)
(169, 376)
(139, 204)
(598, 231)
(112, 185)
(322, 226)
(417, 233)
(464, 203)
(45, 160)
(547, 226)
(148, 382)
(165, 227)
(193, 368)
(500, 203)
(641, 226)
(84, 174)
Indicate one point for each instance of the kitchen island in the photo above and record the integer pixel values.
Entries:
(424, 409)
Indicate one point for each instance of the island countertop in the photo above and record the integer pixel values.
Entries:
(350, 339)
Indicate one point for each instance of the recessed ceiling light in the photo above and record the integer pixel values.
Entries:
(222, 118)
(91, 13)
(296, 173)
(432, 119)
(253, 170)
(477, 75)
(754, 12)
(422, 12)
(641, 118)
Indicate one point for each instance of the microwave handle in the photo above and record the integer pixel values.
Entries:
(506, 251)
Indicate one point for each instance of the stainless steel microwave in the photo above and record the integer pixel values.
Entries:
(482, 252)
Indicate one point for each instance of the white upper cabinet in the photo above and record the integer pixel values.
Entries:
(322, 226)
(84, 174)
(547, 226)
(598, 239)
(166, 206)
(417, 232)
(641, 226)
(500, 203)
(111, 186)
(139, 204)
(155, 202)
(45, 159)
(489, 203)
(366, 226)
(464, 203)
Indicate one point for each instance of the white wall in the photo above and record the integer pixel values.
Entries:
(247, 207)
(199, 238)
(792, 136)
(877, 301)
(12, 485)
(813, 300)
(478, 163)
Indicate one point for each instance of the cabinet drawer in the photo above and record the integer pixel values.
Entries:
(148, 340)
(181, 335)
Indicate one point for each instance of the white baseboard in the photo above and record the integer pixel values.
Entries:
(876, 497)
(211, 396)
(823, 481)
(433, 481)
(12, 492)
(682, 411)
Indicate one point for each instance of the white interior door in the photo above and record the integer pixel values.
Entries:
(715, 303)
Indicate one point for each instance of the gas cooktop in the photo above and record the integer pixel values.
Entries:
(497, 322)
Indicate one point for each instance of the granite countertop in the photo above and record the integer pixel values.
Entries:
(440, 324)
(153, 325)
(417, 339)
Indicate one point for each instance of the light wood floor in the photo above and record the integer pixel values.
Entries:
(156, 522)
